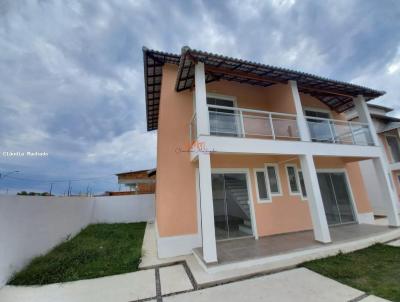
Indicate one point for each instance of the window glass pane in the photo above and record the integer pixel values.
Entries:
(302, 185)
(294, 188)
(262, 188)
(273, 179)
(394, 147)
(316, 114)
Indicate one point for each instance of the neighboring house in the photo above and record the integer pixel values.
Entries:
(137, 182)
(388, 129)
(246, 149)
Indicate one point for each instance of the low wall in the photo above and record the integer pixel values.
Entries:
(124, 208)
(32, 225)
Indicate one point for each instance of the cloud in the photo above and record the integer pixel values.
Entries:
(71, 80)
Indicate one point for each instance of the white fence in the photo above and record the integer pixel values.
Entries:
(32, 225)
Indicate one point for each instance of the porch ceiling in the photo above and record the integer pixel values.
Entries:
(337, 95)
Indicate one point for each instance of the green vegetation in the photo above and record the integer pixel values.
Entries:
(374, 270)
(98, 250)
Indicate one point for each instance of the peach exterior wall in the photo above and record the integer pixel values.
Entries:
(289, 213)
(176, 191)
(176, 204)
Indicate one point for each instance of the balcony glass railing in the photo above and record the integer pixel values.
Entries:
(339, 132)
(239, 122)
(249, 123)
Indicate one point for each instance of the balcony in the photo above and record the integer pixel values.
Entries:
(339, 132)
(250, 123)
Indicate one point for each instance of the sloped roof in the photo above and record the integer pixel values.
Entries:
(336, 94)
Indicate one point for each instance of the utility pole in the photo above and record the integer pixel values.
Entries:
(69, 188)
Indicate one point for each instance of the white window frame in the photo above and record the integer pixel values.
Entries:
(301, 190)
(263, 200)
(278, 179)
(349, 188)
(297, 180)
(231, 98)
(316, 110)
(388, 145)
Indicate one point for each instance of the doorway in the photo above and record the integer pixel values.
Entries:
(232, 213)
(336, 197)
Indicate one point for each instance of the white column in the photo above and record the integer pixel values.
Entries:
(301, 120)
(381, 165)
(201, 100)
(318, 217)
(365, 117)
(207, 209)
(389, 197)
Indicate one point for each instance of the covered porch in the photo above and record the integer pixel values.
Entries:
(295, 246)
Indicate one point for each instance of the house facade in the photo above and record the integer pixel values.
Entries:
(137, 182)
(388, 129)
(251, 150)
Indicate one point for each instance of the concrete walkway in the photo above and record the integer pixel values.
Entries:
(173, 283)
(183, 279)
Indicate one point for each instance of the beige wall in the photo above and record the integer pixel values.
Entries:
(176, 205)
(175, 195)
(289, 213)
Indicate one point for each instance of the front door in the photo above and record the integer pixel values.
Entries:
(232, 216)
(336, 198)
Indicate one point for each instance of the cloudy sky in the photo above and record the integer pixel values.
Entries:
(71, 72)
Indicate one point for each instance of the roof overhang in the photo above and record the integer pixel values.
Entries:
(335, 94)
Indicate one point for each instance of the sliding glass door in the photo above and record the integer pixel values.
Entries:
(336, 198)
(232, 216)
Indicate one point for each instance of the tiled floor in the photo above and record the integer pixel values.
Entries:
(244, 249)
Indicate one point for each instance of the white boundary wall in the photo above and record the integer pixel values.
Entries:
(32, 225)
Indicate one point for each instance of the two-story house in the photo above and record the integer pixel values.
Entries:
(388, 129)
(247, 150)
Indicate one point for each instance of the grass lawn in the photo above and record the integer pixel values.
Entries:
(374, 270)
(98, 250)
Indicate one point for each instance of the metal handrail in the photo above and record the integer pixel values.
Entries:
(334, 120)
(251, 110)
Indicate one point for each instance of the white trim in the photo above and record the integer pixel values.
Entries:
(232, 145)
(264, 200)
(297, 179)
(392, 161)
(366, 218)
(240, 130)
(303, 128)
(202, 114)
(315, 109)
(278, 178)
(249, 192)
(301, 190)
(198, 206)
(223, 97)
(351, 195)
(207, 209)
(177, 245)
